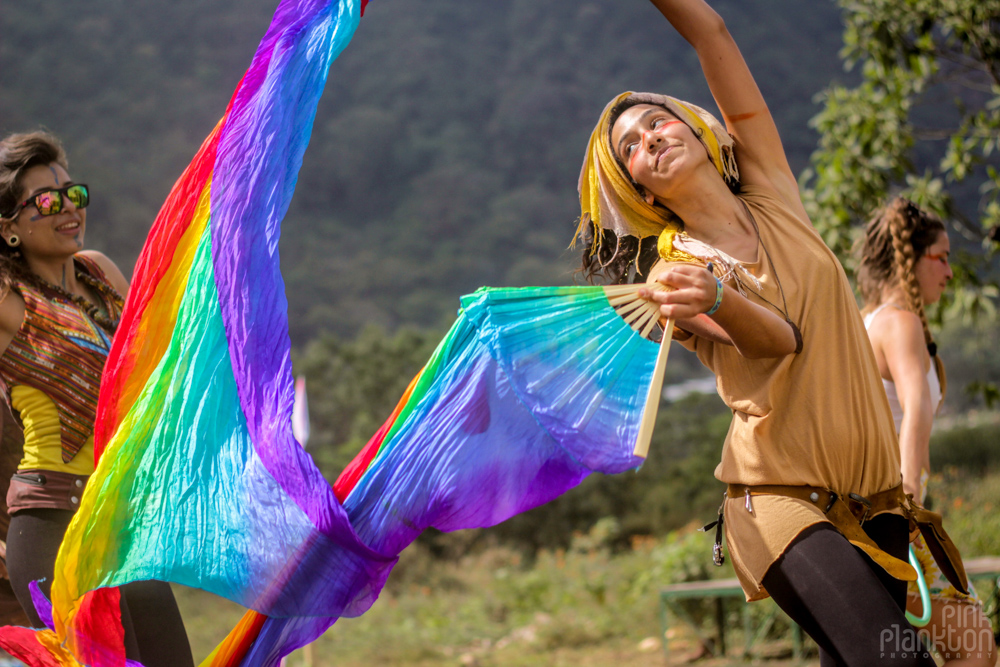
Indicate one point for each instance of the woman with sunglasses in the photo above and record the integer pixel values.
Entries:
(59, 308)
(812, 513)
(903, 268)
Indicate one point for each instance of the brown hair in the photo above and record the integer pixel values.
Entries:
(895, 238)
(18, 154)
(619, 259)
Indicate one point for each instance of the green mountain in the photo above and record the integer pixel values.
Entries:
(446, 148)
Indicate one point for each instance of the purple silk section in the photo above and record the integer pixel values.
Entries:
(259, 156)
(42, 605)
(280, 636)
(470, 455)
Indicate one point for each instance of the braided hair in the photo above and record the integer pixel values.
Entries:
(895, 239)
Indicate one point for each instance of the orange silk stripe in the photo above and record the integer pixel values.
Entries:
(236, 644)
(357, 467)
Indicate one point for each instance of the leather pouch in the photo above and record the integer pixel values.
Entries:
(942, 548)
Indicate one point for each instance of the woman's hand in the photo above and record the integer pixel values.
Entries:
(693, 291)
(755, 331)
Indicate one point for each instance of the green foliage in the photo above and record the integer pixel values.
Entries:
(973, 365)
(969, 500)
(353, 387)
(971, 448)
(989, 392)
(923, 120)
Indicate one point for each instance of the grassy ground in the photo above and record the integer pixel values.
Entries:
(581, 607)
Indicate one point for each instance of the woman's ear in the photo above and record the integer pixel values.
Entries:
(648, 196)
(7, 228)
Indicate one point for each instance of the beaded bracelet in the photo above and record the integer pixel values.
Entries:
(718, 297)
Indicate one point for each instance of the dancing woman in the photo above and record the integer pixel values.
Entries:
(59, 308)
(813, 510)
(904, 267)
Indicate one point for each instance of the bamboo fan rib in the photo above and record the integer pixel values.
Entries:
(643, 315)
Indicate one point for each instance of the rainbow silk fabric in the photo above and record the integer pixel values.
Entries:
(199, 479)
(530, 391)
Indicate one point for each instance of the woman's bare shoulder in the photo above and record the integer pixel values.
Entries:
(898, 336)
(11, 317)
(111, 270)
(895, 323)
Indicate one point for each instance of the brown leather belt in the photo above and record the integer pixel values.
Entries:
(45, 489)
(847, 512)
(861, 507)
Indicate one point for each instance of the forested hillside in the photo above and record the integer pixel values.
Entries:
(446, 148)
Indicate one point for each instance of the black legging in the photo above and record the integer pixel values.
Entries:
(154, 631)
(848, 604)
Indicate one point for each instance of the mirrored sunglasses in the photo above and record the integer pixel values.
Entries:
(51, 202)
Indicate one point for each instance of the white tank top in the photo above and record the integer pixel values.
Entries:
(890, 387)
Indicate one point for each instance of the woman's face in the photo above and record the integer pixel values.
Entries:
(656, 148)
(932, 269)
(51, 236)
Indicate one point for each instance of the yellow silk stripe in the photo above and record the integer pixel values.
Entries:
(161, 312)
(160, 316)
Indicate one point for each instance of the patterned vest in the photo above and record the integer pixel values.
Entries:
(61, 352)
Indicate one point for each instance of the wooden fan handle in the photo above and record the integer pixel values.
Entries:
(654, 393)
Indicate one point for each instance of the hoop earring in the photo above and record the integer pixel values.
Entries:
(14, 241)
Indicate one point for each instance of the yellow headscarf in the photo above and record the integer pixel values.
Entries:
(608, 200)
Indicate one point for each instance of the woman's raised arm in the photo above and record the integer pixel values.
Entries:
(760, 155)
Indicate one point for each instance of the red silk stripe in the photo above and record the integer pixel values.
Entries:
(22, 643)
(357, 467)
(173, 220)
(97, 636)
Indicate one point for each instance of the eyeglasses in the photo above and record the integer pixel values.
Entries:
(941, 257)
(50, 202)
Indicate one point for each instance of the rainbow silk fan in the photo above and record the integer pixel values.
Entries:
(531, 390)
(199, 479)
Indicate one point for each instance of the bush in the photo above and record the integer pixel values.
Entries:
(973, 448)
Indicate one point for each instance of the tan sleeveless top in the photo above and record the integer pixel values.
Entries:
(817, 418)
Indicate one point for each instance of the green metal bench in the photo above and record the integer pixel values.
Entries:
(981, 570)
(718, 590)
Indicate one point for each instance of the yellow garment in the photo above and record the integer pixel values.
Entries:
(817, 418)
(608, 200)
(670, 253)
(42, 443)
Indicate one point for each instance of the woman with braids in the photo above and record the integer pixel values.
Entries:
(59, 307)
(814, 513)
(904, 267)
